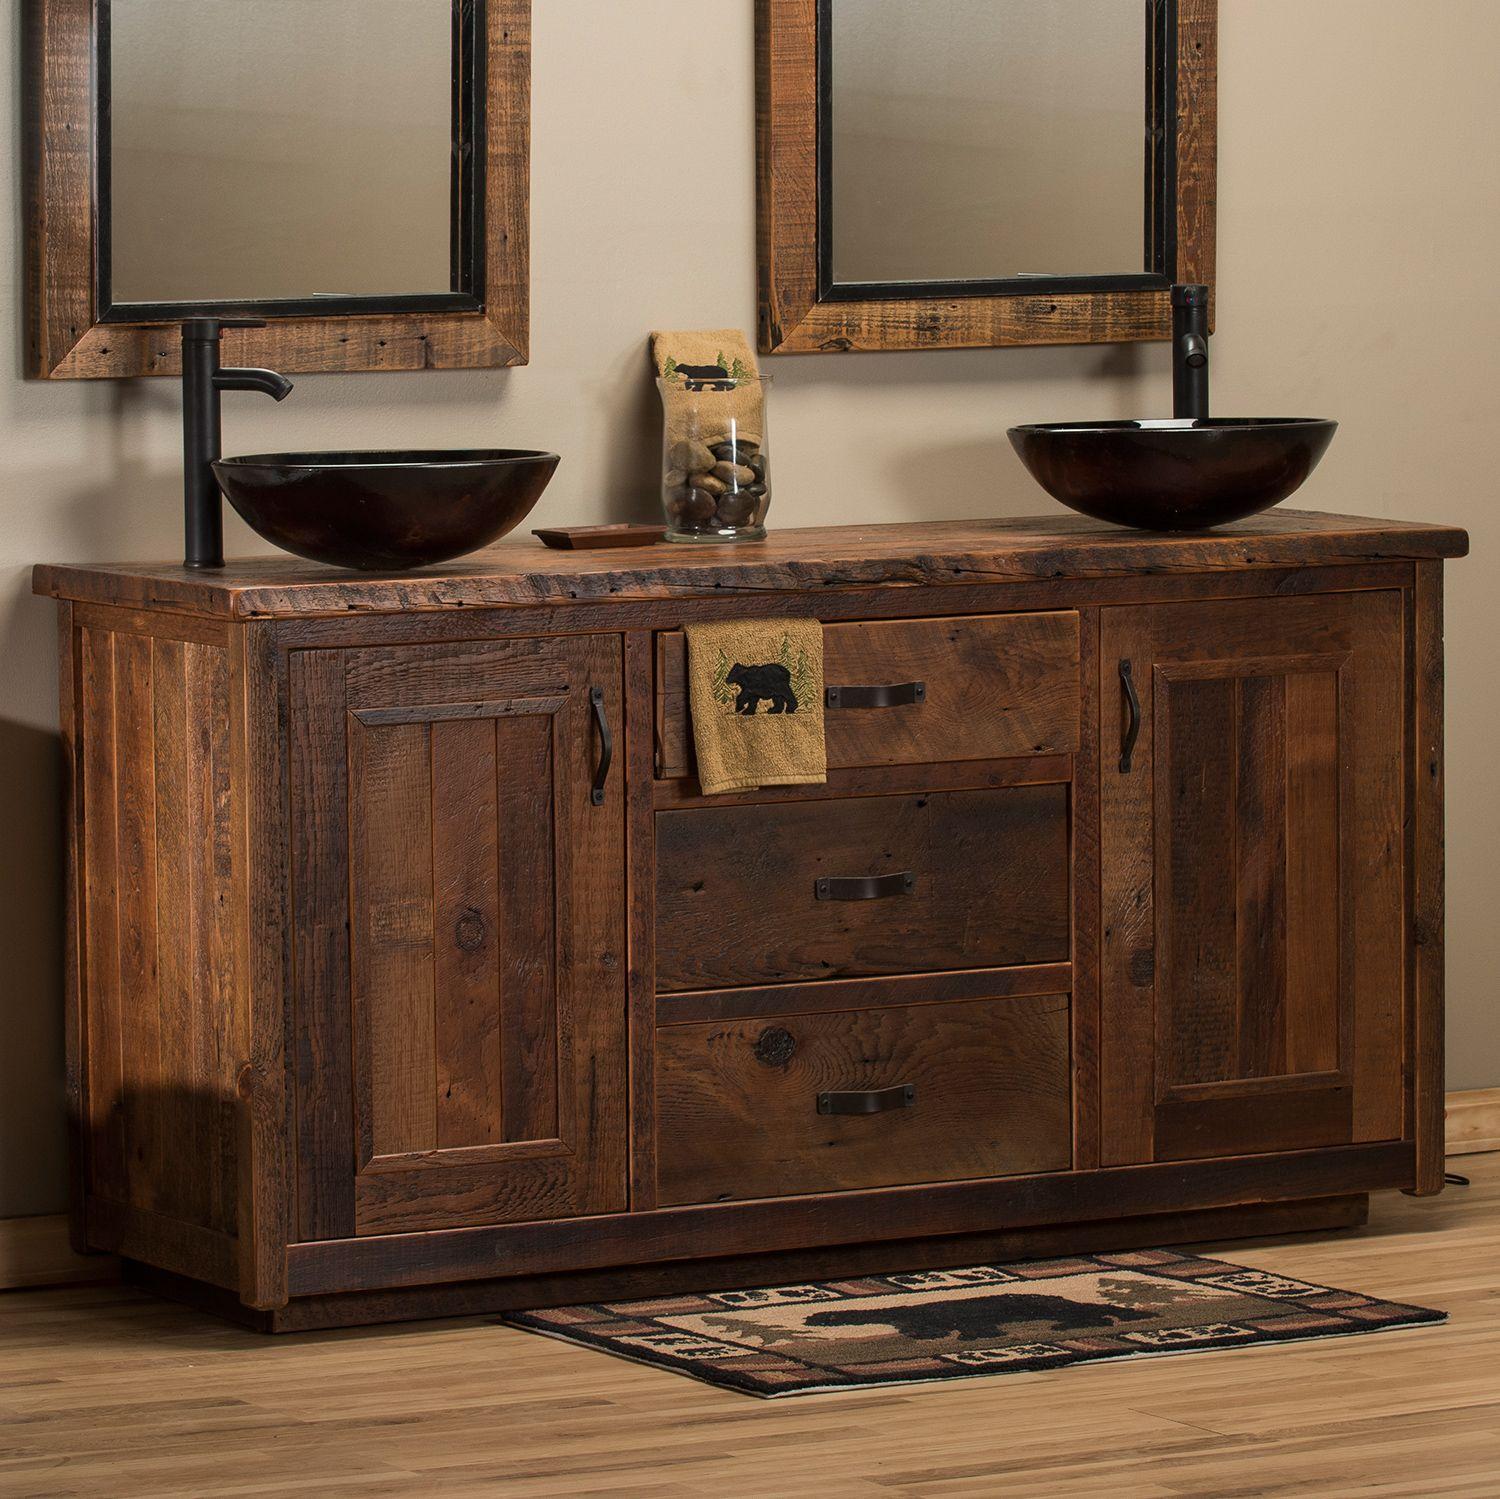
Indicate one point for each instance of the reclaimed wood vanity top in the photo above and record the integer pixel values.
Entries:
(1014, 550)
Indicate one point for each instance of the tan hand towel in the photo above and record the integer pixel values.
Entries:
(755, 689)
(684, 358)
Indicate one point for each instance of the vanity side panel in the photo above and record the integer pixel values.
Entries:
(156, 1043)
(1084, 795)
(1427, 924)
(75, 1099)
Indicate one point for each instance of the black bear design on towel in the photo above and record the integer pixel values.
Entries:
(709, 376)
(982, 1316)
(772, 682)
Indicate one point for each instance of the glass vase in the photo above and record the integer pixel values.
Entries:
(716, 484)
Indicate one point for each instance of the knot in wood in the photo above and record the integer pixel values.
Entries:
(468, 932)
(775, 1046)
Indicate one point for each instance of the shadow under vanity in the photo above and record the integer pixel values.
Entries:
(376, 1012)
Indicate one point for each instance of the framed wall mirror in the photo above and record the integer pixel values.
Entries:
(976, 173)
(354, 172)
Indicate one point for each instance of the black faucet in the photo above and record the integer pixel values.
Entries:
(1190, 352)
(202, 442)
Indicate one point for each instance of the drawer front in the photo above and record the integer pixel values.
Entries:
(741, 898)
(993, 686)
(862, 1098)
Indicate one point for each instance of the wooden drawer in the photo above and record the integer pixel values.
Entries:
(738, 900)
(995, 685)
(970, 1090)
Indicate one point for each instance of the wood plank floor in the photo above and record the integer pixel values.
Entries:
(106, 1392)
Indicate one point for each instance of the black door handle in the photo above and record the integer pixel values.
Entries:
(888, 695)
(866, 887)
(871, 1101)
(1132, 730)
(606, 745)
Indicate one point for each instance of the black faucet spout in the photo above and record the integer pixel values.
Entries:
(1190, 352)
(278, 387)
(203, 382)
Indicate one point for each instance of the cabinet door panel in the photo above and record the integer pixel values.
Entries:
(463, 899)
(1252, 878)
(467, 762)
(391, 935)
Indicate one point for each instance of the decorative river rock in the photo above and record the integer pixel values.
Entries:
(717, 487)
(715, 472)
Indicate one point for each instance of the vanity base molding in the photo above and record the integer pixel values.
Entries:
(410, 975)
(738, 1272)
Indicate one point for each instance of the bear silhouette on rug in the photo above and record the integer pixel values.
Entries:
(983, 1316)
(772, 682)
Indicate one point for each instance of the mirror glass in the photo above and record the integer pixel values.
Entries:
(280, 149)
(987, 139)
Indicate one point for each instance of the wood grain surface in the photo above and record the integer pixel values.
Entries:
(163, 1059)
(65, 339)
(818, 559)
(770, 1225)
(737, 1271)
(462, 1005)
(106, 1394)
(995, 686)
(371, 1002)
(796, 317)
(736, 903)
(992, 1098)
(1255, 878)
(1427, 936)
(827, 995)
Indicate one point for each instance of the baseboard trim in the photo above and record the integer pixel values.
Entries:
(1473, 1121)
(37, 1252)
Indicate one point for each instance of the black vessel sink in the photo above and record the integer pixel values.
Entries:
(1180, 475)
(385, 511)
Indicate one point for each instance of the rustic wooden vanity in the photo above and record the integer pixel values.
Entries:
(409, 974)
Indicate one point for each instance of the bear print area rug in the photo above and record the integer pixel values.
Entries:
(950, 1324)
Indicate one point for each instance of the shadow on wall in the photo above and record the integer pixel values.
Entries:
(31, 943)
(134, 508)
(58, 498)
(1001, 373)
(633, 480)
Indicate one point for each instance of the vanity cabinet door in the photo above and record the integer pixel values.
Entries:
(1252, 849)
(459, 927)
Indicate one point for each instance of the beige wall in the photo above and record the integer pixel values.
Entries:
(1360, 220)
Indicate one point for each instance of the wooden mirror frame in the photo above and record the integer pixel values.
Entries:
(798, 313)
(66, 338)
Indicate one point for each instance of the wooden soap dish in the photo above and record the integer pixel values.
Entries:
(580, 538)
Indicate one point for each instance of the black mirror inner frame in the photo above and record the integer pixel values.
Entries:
(76, 328)
(805, 309)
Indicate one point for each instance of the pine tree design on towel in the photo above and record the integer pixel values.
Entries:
(783, 685)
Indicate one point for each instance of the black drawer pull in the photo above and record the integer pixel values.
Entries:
(1132, 729)
(890, 695)
(606, 746)
(873, 1101)
(866, 887)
